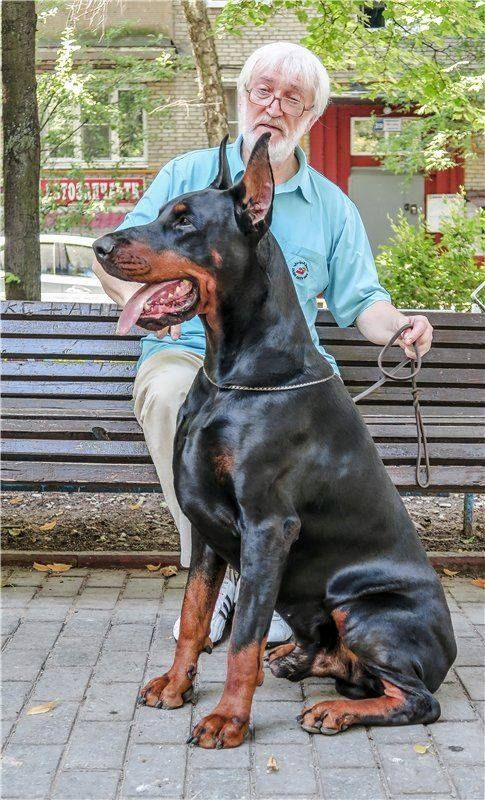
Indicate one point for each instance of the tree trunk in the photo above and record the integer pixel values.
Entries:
(208, 73)
(21, 150)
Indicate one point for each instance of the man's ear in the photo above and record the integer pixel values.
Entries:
(223, 179)
(255, 191)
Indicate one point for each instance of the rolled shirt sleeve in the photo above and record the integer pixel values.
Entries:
(353, 283)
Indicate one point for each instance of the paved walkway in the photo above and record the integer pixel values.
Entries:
(87, 639)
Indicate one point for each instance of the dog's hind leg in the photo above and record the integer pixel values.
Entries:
(206, 573)
(395, 706)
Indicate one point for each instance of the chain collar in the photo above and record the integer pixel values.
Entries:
(267, 388)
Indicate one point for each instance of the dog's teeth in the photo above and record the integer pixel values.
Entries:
(146, 307)
(177, 290)
(170, 296)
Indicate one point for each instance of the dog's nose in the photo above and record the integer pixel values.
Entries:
(103, 246)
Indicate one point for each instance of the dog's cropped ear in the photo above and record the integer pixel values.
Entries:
(255, 191)
(223, 179)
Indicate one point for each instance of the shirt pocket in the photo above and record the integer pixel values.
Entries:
(308, 269)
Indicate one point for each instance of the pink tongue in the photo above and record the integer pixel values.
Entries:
(134, 307)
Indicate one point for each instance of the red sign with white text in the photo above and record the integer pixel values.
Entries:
(68, 190)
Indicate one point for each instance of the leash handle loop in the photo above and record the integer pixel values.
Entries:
(423, 471)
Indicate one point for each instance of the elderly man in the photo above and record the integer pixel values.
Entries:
(283, 88)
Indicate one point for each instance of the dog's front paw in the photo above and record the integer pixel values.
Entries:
(218, 730)
(328, 717)
(164, 692)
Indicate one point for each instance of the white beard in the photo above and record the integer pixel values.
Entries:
(278, 151)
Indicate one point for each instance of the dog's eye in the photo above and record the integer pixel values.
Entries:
(182, 222)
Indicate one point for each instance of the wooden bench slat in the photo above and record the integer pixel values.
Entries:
(452, 338)
(447, 357)
(82, 450)
(126, 350)
(69, 428)
(52, 475)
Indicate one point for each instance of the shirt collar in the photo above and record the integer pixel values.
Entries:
(299, 181)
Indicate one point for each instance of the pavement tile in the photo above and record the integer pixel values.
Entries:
(27, 577)
(87, 622)
(213, 667)
(295, 776)
(416, 772)
(62, 683)
(469, 782)
(415, 734)
(57, 586)
(27, 770)
(106, 577)
(157, 726)
(32, 636)
(51, 728)
(97, 745)
(17, 596)
(143, 589)
(459, 742)
(278, 689)
(465, 591)
(120, 667)
(350, 749)
(48, 609)
(179, 580)
(6, 727)
(133, 609)
(153, 770)
(471, 653)
(10, 619)
(479, 705)
(221, 784)
(86, 785)
(475, 612)
(473, 680)
(172, 600)
(462, 626)
(454, 703)
(129, 637)
(74, 652)
(105, 701)
(349, 784)
(101, 598)
(14, 694)
(21, 665)
(276, 722)
(231, 758)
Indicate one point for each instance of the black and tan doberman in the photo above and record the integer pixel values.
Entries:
(280, 478)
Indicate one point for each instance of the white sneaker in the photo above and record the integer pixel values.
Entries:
(223, 608)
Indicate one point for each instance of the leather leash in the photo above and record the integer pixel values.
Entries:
(395, 374)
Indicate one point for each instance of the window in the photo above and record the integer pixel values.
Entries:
(89, 142)
(370, 134)
(230, 93)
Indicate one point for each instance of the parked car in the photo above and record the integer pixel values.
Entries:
(67, 273)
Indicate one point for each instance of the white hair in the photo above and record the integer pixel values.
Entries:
(293, 61)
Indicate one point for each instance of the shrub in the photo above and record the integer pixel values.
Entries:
(420, 272)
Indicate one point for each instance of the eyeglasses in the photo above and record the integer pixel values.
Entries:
(288, 105)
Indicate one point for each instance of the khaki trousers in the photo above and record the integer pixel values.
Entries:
(161, 386)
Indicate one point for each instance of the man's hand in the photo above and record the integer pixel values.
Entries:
(421, 334)
(173, 330)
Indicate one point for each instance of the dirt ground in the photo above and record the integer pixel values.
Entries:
(59, 521)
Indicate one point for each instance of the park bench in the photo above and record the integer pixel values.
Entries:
(68, 423)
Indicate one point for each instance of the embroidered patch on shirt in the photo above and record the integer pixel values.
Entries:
(300, 270)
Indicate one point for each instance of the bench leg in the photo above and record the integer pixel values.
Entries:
(468, 514)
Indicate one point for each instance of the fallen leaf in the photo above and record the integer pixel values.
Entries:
(43, 708)
(479, 582)
(153, 567)
(48, 525)
(272, 765)
(167, 572)
(14, 532)
(16, 500)
(421, 748)
(140, 502)
(450, 572)
(51, 567)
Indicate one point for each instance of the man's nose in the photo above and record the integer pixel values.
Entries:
(103, 246)
(275, 107)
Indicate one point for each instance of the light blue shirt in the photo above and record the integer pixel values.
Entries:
(316, 225)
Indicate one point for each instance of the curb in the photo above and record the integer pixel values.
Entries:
(127, 560)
